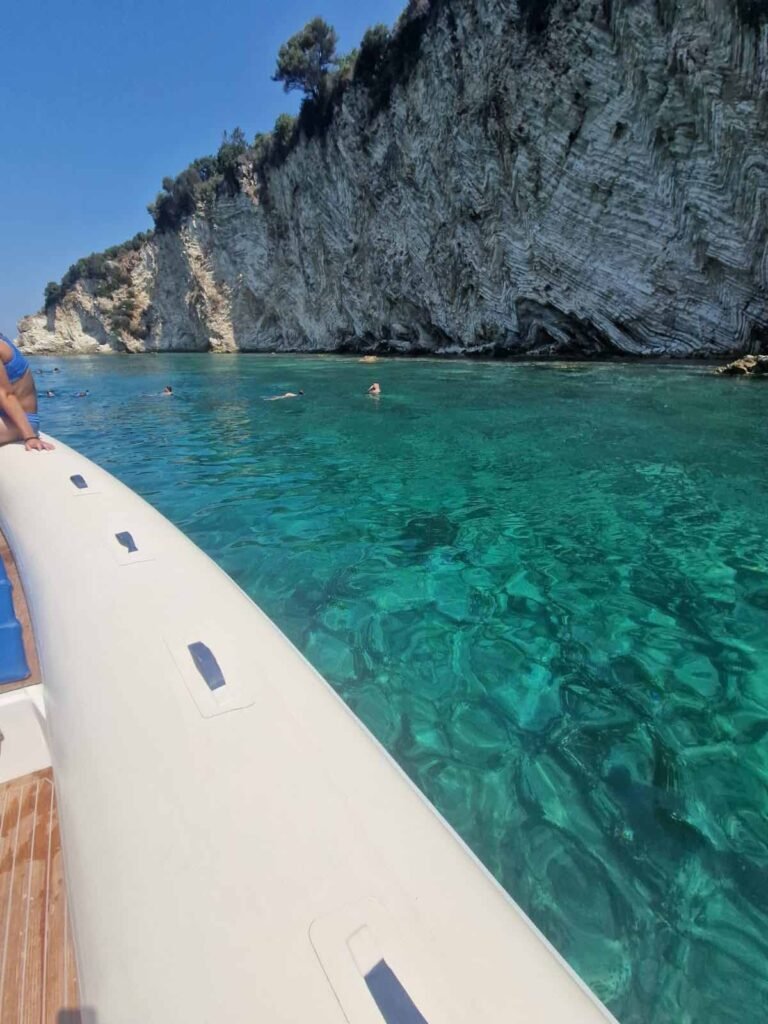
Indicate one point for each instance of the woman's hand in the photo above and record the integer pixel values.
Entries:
(37, 444)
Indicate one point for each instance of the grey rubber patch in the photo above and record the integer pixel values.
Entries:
(207, 666)
(394, 1003)
(127, 541)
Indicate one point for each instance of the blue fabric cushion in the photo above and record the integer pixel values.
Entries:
(7, 613)
(13, 663)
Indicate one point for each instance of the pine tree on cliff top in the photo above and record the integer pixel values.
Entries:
(306, 58)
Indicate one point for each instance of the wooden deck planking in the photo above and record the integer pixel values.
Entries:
(38, 976)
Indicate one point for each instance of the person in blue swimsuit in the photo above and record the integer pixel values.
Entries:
(19, 420)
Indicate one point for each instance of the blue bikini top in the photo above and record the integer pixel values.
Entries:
(18, 365)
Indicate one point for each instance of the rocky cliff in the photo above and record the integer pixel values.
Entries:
(581, 176)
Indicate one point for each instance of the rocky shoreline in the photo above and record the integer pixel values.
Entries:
(749, 366)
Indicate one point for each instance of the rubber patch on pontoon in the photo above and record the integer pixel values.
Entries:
(127, 541)
(207, 666)
(394, 1003)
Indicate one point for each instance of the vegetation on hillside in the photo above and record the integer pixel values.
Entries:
(308, 62)
(106, 268)
(305, 60)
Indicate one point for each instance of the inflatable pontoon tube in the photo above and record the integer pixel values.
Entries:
(238, 847)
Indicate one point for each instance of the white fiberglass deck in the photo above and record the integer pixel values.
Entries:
(237, 846)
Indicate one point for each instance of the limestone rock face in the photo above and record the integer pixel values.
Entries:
(749, 366)
(555, 176)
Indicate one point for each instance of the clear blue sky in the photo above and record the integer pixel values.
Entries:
(99, 101)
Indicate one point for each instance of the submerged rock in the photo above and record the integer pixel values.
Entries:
(568, 177)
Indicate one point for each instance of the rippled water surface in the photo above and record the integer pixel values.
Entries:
(544, 588)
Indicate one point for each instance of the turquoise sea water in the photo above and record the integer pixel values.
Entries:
(543, 587)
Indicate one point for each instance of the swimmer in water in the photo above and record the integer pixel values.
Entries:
(167, 390)
(288, 394)
(50, 394)
(374, 390)
(82, 394)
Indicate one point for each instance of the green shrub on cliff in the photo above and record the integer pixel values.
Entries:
(271, 148)
(207, 166)
(52, 294)
(132, 245)
(388, 59)
(306, 58)
(205, 176)
(104, 269)
(179, 196)
(261, 148)
(346, 65)
(121, 317)
(372, 56)
(282, 133)
(317, 112)
(229, 157)
(176, 201)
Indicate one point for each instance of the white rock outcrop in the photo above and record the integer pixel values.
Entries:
(596, 185)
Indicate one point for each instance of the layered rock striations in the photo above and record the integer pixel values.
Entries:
(552, 176)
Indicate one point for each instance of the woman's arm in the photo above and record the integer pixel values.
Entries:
(11, 408)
